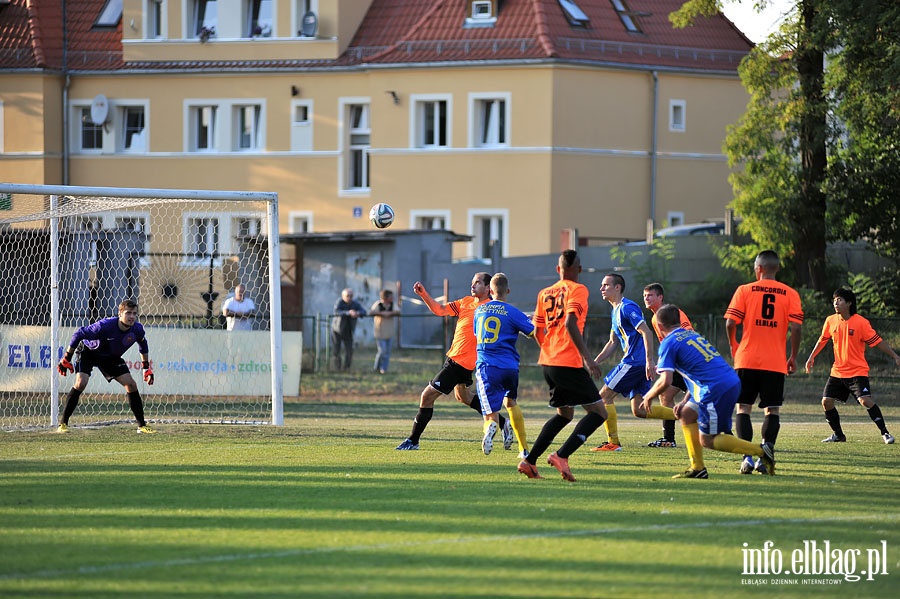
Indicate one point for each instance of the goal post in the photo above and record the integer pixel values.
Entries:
(69, 255)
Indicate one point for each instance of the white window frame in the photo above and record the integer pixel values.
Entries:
(298, 9)
(346, 147)
(248, 19)
(107, 222)
(225, 129)
(112, 132)
(188, 253)
(194, 23)
(239, 112)
(478, 104)
(295, 216)
(475, 216)
(120, 125)
(233, 228)
(415, 217)
(156, 21)
(676, 108)
(302, 130)
(674, 218)
(81, 113)
(417, 117)
(626, 18)
(193, 115)
(110, 15)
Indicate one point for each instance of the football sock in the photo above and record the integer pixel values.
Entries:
(71, 403)
(770, 427)
(834, 421)
(743, 428)
(692, 440)
(612, 424)
(669, 429)
(658, 412)
(476, 405)
(137, 407)
(732, 444)
(517, 420)
(877, 418)
(423, 417)
(584, 429)
(548, 432)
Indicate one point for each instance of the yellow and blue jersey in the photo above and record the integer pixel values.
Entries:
(705, 371)
(497, 326)
(626, 318)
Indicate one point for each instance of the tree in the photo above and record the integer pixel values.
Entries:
(781, 141)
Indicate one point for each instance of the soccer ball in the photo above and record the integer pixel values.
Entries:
(381, 215)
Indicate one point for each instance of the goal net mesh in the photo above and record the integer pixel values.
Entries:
(68, 260)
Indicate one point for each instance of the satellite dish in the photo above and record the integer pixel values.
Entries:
(99, 109)
(309, 24)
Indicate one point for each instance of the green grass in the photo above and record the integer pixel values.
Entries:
(324, 507)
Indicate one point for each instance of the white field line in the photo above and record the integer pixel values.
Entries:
(481, 540)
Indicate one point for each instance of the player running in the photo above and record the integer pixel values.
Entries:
(559, 324)
(102, 345)
(497, 328)
(714, 388)
(456, 374)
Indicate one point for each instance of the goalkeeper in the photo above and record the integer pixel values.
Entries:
(102, 345)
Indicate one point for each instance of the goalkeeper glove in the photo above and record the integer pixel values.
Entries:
(148, 373)
(65, 367)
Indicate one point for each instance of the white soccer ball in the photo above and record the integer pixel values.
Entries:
(381, 215)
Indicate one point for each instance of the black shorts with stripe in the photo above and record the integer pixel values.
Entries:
(451, 375)
(570, 386)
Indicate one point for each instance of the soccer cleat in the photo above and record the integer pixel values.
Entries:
(760, 467)
(146, 430)
(487, 443)
(508, 435)
(561, 464)
(64, 428)
(835, 438)
(407, 445)
(528, 469)
(768, 459)
(662, 442)
(747, 465)
(691, 473)
(523, 454)
(888, 438)
(608, 447)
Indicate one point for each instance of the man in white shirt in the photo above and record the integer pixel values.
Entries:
(239, 310)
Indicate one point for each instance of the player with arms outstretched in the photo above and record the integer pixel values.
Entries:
(102, 345)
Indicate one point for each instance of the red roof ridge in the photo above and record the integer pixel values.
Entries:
(543, 29)
(418, 25)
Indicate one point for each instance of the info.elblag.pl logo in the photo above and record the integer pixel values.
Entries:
(815, 562)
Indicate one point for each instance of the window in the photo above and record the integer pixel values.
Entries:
(574, 15)
(110, 15)
(481, 13)
(91, 134)
(133, 137)
(206, 18)
(202, 238)
(260, 18)
(247, 127)
(431, 126)
(156, 19)
(300, 221)
(490, 118)
(105, 225)
(429, 219)
(626, 16)
(674, 219)
(202, 128)
(300, 8)
(677, 115)
(358, 148)
(301, 126)
(488, 227)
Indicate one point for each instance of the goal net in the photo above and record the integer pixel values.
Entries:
(70, 255)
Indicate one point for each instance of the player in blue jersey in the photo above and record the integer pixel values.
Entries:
(497, 327)
(102, 345)
(632, 376)
(714, 389)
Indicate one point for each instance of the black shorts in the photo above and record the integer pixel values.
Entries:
(678, 381)
(451, 375)
(111, 367)
(840, 389)
(765, 384)
(570, 386)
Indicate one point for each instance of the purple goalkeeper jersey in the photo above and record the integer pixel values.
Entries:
(105, 338)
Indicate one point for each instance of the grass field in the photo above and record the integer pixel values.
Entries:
(324, 507)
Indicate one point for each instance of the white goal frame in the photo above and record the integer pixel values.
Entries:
(54, 192)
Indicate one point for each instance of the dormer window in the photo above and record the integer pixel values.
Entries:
(574, 14)
(110, 15)
(481, 13)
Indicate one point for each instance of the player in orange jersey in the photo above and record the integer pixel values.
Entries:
(456, 374)
(559, 327)
(653, 301)
(766, 310)
(851, 334)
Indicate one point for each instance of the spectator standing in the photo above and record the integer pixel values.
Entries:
(383, 314)
(343, 324)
